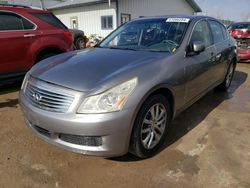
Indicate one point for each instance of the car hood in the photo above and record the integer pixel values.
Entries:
(88, 69)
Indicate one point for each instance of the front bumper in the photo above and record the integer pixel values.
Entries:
(114, 129)
(244, 57)
(244, 50)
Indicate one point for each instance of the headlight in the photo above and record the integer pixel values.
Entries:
(109, 101)
(25, 80)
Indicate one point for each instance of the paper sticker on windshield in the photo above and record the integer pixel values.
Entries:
(182, 20)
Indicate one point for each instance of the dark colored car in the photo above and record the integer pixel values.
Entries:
(241, 32)
(121, 95)
(80, 40)
(28, 35)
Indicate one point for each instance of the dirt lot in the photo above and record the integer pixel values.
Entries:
(207, 146)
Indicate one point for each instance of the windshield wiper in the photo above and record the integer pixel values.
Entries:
(111, 47)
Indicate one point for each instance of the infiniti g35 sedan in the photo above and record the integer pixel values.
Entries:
(121, 95)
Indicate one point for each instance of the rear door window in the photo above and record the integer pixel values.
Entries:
(14, 22)
(50, 19)
(217, 31)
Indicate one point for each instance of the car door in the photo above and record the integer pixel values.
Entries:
(222, 50)
(198, 66)
(16, 38)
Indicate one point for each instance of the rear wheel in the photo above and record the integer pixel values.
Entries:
(80, 43)
(228, 79)
(150, 127)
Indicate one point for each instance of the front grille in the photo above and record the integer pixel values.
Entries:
(82, 140)
(42, 131)
(48, 100)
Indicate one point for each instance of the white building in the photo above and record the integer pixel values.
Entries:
(103, 16)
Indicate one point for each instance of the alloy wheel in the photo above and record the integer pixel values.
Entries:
(154, 125)
(230, 75)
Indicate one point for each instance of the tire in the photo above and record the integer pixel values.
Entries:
(144, 142)
(80, 43)
(228, 78)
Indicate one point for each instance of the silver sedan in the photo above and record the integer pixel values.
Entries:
(122, 94)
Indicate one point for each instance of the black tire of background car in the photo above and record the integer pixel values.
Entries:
(80, 43)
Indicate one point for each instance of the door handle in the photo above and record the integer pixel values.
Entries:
(212, 59)
(218, 57)
(29, 35)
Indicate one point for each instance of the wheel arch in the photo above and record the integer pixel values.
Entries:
(163, 89)
(168, 94)
(47, 50)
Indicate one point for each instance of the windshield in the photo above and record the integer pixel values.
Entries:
(159, 35)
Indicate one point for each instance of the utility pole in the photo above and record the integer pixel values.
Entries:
(42, 4)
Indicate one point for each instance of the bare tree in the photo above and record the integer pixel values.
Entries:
(42, 4)
(245, 16)
(219, 14)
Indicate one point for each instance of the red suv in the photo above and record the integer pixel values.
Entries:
(241, 32)
(28, 35)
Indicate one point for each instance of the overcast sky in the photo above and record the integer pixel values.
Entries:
(236, 10)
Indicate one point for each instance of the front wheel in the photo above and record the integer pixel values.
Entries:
(150, 127)
(228, 79)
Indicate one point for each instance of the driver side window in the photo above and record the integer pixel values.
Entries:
(201, 33)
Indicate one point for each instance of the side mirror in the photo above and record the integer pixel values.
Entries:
(196, 47)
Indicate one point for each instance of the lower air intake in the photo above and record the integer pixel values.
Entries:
(82, 140)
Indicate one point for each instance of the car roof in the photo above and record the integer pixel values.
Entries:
(236, 23)
(191, 17)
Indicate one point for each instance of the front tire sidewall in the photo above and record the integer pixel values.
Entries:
(136, 146)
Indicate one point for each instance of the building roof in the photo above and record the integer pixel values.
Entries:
(76, 3)
(35, 3)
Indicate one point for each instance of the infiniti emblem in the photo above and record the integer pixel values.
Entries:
(37, 97)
